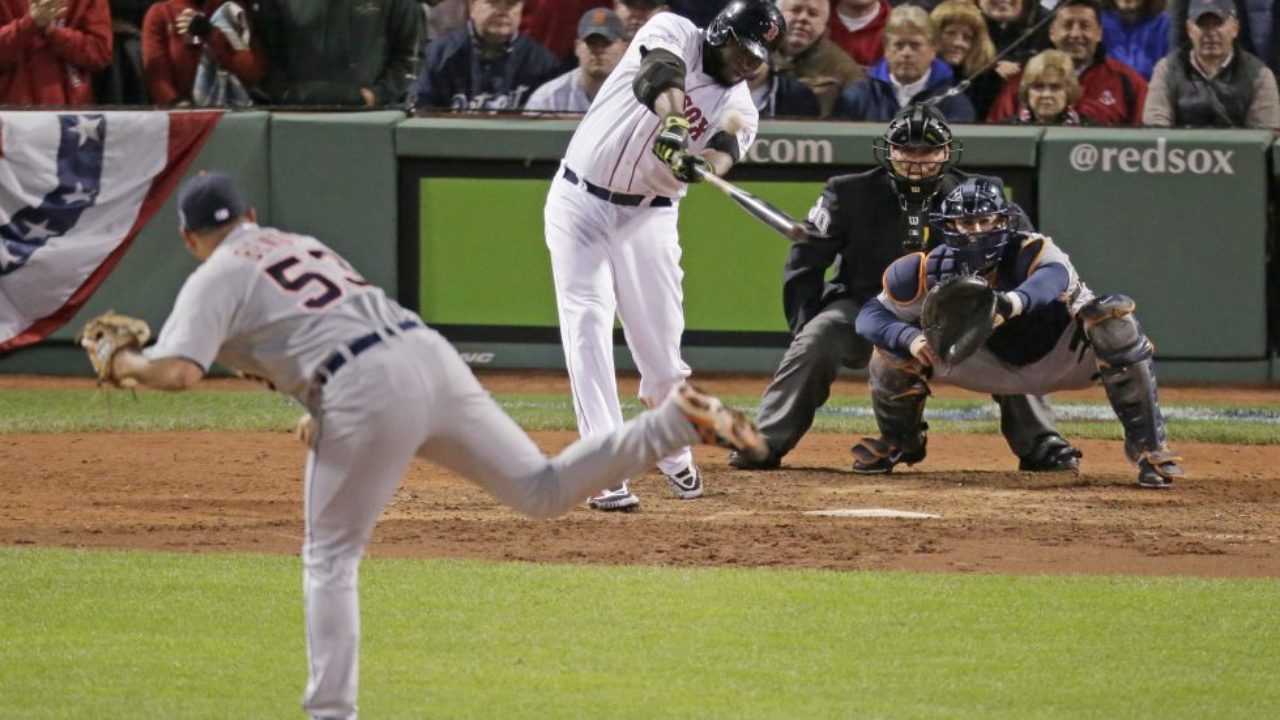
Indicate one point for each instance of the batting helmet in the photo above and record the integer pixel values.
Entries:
(757, 25)
(975, 198)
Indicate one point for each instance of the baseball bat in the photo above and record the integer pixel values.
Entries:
(761, 210)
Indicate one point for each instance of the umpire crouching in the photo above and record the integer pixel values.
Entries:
(860, 225)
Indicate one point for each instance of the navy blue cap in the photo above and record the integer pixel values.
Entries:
(208, 200)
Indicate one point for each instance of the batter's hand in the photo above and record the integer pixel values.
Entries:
(672, 140)
(685, 167)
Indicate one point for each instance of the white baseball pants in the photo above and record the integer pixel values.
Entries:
(609, 260)
(412, 395)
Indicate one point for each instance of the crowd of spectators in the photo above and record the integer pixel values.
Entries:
(1165, 63)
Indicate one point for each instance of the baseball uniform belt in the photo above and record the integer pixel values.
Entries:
(614, 197)
(359, 345)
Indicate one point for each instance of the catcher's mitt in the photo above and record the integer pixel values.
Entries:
(108, 334)
(958, 317)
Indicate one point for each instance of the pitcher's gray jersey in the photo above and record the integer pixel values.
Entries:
(273, 305)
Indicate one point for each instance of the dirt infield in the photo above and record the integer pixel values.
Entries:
(233, 492)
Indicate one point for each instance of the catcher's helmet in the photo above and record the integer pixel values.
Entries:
(920, 126)
(757, 25)
(975, 198)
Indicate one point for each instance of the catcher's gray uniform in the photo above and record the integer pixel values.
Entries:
(383, 388)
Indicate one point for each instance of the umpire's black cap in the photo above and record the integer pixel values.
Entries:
(209, 200)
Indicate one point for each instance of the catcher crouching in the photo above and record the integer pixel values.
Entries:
(1002, 311)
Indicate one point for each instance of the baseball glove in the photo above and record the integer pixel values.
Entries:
(108, 334)
(958, 317)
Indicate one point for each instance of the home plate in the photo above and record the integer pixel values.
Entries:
(873, 513)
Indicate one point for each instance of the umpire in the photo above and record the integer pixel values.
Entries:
(860, 225)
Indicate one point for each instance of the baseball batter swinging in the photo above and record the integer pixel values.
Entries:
(611, 212)
(381, 388)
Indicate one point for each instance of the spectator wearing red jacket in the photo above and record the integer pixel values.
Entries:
(554, 23)
(857, 27)
(174, 38)
(1112, 93)
(49, 48)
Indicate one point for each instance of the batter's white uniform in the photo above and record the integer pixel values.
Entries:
(620, 254)
(382, 388)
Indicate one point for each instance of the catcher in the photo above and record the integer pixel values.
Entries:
(1005, 312)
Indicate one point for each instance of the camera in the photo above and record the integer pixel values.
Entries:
(199, 28)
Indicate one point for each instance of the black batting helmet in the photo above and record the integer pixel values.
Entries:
(757, 25)
(974, 198)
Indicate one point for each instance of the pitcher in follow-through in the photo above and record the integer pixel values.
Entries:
(676, 105)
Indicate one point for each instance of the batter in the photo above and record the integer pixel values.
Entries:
(611, 213)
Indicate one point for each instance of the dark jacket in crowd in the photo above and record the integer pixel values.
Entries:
(701, 12)
(789, 97)
(454, 75)
(856, 227)
(324, 53)
(1005, 34)
(873, 98)
(1259, 34)
(1242, 94)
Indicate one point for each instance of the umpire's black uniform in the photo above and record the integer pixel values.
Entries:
(857, 227)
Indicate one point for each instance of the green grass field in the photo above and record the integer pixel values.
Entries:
(96, 634)
(148, 635)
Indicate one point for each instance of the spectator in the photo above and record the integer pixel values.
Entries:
(1213, 83)
(48, 49)
(123, 82)
(1112, 93)
(178, 36)
(1136, 32)
(443, 17)
(810, 57)
(909, 73)
(857, 27)
(487, 65)
(320, 53)
(635, 13)
(929, 5)
(1007, 22)
(551, 23)
(965, 45)
(777, 95)
(601, 42)
(1047, 92)
(1259, 24)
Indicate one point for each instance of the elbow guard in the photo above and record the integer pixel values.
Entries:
(659, 70)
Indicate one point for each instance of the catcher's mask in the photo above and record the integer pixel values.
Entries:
(741, 37)
(917, 128)
(975, 223)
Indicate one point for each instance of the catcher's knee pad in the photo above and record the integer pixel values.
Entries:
(895, 376)
(1114, 332)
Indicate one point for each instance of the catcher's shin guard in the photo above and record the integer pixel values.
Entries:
(1129, 376)
(898, 395)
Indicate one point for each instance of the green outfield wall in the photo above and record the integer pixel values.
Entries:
(447, 214)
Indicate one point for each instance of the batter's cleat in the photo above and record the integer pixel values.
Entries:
(1055, 454)
(1158, 469)
(686, 484)
(771, 461)
(718, 424)
(874, 456)
(619, 498)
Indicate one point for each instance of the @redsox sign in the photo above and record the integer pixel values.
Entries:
(1157, 160)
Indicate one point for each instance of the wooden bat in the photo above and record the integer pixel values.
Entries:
(765, 212)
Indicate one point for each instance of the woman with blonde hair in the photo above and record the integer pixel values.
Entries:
(1048, 91)
(965, 44)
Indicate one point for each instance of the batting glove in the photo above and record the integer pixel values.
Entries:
(672, 140)
(686, 167)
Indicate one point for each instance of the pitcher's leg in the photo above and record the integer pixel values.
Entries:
(356, 462)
